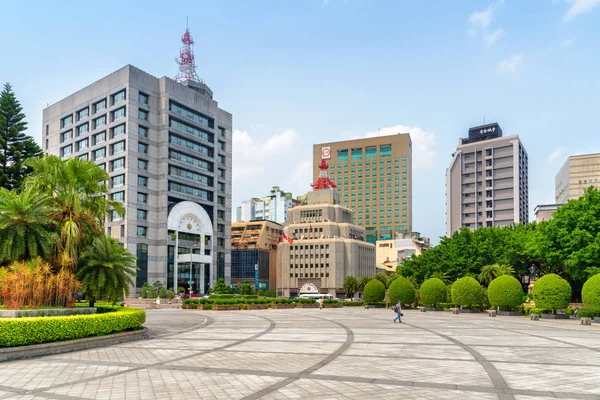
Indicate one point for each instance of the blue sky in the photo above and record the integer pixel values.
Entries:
(304, 72)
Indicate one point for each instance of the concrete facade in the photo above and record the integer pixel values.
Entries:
(575, 176)
(272, 207)
(394, 252)
(163, 143)
(487, 181)
(545, 212)
(327, 246)
(255, 243)
(374, 178)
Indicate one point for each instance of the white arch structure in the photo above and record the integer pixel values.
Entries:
(190, 217)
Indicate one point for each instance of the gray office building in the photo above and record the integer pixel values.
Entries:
(167, 148)
(487, 181)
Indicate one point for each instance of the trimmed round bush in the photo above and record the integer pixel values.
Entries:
(401, 289)
(505, 292)
(34, 330)
(432, 292)
(374, 291)
(551, 292)
(466, 292)
(590, 293)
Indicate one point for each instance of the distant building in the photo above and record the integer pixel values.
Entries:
(391, 253)
(576, 175)
(254, 243)
(325, 245)
(545, 212)
(272, 207)
(374, 179)
(487, 181)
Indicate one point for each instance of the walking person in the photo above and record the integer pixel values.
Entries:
(321, 303)
(398, 311)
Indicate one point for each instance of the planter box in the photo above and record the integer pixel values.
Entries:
(470, 311)
(257, 307)
(278, 306)
(373, 306)
(332, 306)
(597, 319)
(436, 309)
(555, 316)
(509, 313)
(225, 308)
(299, 305)
(50, 312)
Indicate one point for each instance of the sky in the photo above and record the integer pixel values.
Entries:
(304, 72)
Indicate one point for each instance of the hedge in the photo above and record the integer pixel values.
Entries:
(588, 313)
(432, 292)
(353, 303)
(590, 293)
(551, 292)
(35, 330)
(505, 292)
(374, 291)
(401, 289)
(466, 292)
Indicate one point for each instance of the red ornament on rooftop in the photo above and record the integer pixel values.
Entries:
(323, 182)
(186, 60)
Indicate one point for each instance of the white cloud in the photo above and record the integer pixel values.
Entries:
(579, 7)
(567, 43)
(481, 21)
(423, 144)
(555, 154)
(491, 38)
(510, 64)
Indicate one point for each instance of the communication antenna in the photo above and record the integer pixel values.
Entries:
(186, 60)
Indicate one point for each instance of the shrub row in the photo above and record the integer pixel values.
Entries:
(35, 330)
(239, 300)
(353, 303)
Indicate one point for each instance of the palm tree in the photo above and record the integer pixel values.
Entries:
(350, 285)
(106, 270)
(441, 276)
(77, 191)
(362, 282)
(491, 272)
(24, 225)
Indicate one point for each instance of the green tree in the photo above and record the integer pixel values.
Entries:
(491, 272)
(374, 291)
(441, 275)
(401, 289)
(220, 287)
(350, 286)
(432, 292)
(106, 270)
(78, 192)
(246, 288)
(383, 278)
(466, 292)
(24, 226)
(15, 146)
(505, 292)
(551, 292)
(362, 282)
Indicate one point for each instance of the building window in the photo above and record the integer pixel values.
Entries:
(84, 157)
(82, 144)
(221, 146)
(141, 231)
(193, 115)
(385, 150)
(118, 113)
(99, 121)
(221, 159)
(81, 129)
(119, 196)
(220, 187)
(118, 147)
(99, 153)
(143, 164)
(142, 131)
(191, 145)
(208, 137)
(143, 98)
(118, 180)
(221, 131)
(117, 164)
(98, 138)
(66, 121)
(142, 181)
(175, 155)
(220, 214)
(118, 97)
(190, 191)
(117, 130)
(357, 154)
(142, 198)
(221, 200)
(343, 155)
(99, 106)
(81, 114)
(65, 151)
(143, 115)
(142, 148)
(193, 176)
(221, 173)
(142, 214)
(66, 136)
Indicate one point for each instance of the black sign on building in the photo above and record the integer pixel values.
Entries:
(483, 132)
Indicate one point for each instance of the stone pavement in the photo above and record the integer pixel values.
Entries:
(349, 353)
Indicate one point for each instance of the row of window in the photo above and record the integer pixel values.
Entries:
(311, 275)
(96, 107)
(385, 150)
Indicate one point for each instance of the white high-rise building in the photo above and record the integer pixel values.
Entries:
(272, 207)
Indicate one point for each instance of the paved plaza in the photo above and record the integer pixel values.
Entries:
(349, 353)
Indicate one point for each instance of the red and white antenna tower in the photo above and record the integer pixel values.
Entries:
(186, 61)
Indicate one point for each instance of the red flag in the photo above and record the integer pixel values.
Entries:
(286, 237)
(311, 227)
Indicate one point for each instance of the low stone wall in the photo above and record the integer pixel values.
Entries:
(50, 312)
(46, 349)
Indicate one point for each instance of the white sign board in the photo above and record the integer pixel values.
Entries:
(325, 153)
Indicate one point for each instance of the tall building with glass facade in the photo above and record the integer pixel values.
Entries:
(374, 179)
(167, 148)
